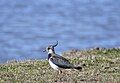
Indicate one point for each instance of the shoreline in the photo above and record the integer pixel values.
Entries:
(99, 65)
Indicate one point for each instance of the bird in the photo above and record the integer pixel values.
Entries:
(58, 62)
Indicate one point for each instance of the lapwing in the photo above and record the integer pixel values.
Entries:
(58, 62)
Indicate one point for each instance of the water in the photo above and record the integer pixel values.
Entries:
(26, 26)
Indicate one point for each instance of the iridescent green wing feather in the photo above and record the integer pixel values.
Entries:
(61, 61)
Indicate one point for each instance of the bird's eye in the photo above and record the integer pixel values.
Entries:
(48, 48)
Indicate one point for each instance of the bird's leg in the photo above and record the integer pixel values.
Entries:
(57, 72)
(60, 72)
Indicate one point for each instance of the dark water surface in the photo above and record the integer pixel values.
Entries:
(29, 25)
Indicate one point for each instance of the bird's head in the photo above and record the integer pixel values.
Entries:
(50, 48)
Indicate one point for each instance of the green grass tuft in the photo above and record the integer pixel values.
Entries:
(99, 65)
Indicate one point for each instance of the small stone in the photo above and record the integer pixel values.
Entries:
(84, 65)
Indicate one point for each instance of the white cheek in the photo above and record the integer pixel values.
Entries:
(50, 51)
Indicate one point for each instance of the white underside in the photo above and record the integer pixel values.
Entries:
(55, 67)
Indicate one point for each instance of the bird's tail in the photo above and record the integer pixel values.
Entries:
(78, 68)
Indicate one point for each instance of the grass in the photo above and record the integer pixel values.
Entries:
(99, 66)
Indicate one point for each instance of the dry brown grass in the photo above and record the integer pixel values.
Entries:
(99, 66)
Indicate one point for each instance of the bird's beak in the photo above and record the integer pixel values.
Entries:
(44, 50)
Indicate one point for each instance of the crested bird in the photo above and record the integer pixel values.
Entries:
(58, 62)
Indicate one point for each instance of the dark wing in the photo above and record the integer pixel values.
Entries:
(61, 61)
